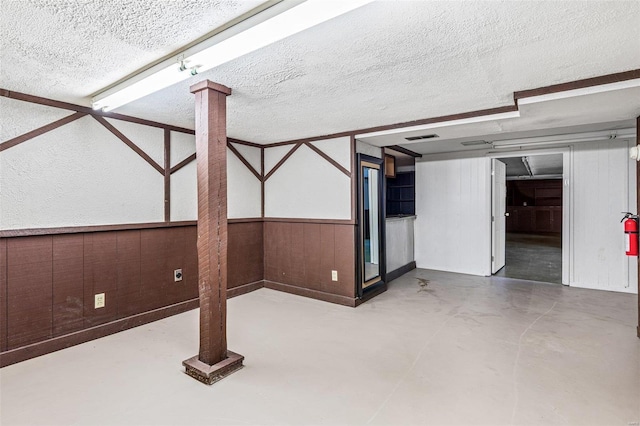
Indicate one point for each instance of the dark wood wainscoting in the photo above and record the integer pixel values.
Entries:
(48, 282)
(299, 258)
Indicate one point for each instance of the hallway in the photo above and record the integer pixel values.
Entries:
(436, 348)
(533, 257)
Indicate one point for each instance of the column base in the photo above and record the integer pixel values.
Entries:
(209, 374)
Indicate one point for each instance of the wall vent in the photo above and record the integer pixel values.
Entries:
(417, 138)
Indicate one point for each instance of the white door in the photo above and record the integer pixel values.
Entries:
(498, 214)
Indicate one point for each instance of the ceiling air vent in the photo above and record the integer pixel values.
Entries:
(417, 138)
(473, 143)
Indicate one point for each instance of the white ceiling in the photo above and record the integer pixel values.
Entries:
(387, 62)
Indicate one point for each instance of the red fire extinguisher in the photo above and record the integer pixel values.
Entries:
(631, 233)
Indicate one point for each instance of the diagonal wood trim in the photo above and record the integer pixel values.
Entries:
(281, 162)
(183, 163)
(87, 110)
(241, 142)
(40, 131)
(312, 139)
(244, 160)
(167, 175)
(130, 144)
(578, 84)
(329, 159)
(405, 151)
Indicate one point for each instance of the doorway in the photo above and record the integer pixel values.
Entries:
(527, 217)
(371, 225)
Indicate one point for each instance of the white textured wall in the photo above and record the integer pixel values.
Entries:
(81, 174)
(243, 189)
(78, 174)
(452, 229)
(399, 240)
(307, 185)
(603, 186)
(184, 194)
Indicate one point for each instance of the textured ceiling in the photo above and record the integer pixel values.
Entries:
(387, 62)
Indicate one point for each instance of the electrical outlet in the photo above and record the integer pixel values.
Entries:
(99, 301)
(334, 275)
(177, 275)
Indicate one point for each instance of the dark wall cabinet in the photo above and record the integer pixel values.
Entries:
(401, 192)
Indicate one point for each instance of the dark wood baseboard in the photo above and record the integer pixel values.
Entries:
(66, 341)
(397, 273)
(379, 289)
(313, 294)
(244, 289)
(62, 342)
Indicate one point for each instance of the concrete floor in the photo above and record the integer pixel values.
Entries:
(437, 348)
(533, 257)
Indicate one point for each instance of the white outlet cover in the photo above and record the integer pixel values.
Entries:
(334, 275)
(99, 301)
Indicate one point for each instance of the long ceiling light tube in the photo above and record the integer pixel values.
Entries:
(566, 139)
(278, 22)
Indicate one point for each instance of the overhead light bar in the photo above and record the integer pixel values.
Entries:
(278, 22)
(565, 139)
(474, 143)
(471, 120)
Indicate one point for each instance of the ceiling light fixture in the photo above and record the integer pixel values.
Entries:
(280, 21)
(471, 120)
(474, 143)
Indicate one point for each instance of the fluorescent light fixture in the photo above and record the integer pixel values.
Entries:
(620, 85)
(566, 139)
(471, 120)
(278, 22)
(474, 143)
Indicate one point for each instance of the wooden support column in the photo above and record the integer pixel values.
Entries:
(213, 361)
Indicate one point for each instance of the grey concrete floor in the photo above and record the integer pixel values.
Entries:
(533, 257)
(436, 348)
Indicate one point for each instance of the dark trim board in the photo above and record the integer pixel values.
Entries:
(321, 221)
(40, 131)
(68, 340)
(245, 288)
(397, 273)
(98, 228)
(376, 290)
(578, 84)
(87, 110)
(312, 294)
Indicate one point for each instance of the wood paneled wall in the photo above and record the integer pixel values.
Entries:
(48, 282)
(299, 258)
